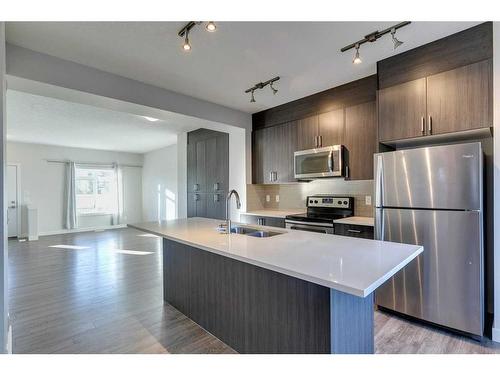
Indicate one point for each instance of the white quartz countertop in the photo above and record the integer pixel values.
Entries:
(275, 213)
(351, 265)
(357, 220)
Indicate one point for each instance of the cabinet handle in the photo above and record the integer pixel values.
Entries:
(196, 197)
(354, 231)
(270, 176)
(216, 186)
(275, 176)
(316, 141)
(216, 198)
(423, 125)
(195, 187)
(430, 124)
(320, 141)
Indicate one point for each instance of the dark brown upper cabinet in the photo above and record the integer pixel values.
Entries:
(460, 99)
(331, 128)
(273, 149)
(360, 140)
(457, 100)
(321, 130)
(307, 133)
(402, 110)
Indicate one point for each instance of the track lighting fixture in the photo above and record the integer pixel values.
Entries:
(211, 26)
(186, 46)
(260, 86)
(357, 59)
(184, 32)
(395, 40)
(275, 91)
(373, 37)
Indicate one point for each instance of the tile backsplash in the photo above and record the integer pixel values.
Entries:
(294, 195)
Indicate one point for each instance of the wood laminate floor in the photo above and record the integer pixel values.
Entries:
(101, 299)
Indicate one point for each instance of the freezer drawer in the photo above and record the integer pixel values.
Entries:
(443, 285)
(439, 177)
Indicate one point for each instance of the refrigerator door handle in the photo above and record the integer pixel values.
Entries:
(379, 179)
(379, 224)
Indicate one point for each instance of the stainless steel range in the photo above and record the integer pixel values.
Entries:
(322, 210)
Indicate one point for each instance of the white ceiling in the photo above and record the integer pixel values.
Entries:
(38, 119)
(223, 64)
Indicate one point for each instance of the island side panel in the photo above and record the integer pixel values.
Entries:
(252, 309)
(352, 323)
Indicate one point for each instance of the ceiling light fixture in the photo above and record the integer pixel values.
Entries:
(211, 26)
(252, 99)
(186, 46)
(395, 40)
(373, 37)
(260, 86)
(152, 119)
(357, 59)
(184, 32)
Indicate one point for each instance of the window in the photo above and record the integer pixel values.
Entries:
(96, 191)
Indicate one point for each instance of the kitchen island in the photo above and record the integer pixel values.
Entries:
(294, 292)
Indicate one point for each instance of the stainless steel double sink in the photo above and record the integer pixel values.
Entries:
(254, 232)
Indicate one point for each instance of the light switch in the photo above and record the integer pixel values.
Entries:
(268, 198)
(277, 198)
(368, 200)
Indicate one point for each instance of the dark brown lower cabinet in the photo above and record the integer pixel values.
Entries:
(359, 231)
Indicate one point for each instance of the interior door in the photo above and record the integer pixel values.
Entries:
(444, 284)
(13, 200)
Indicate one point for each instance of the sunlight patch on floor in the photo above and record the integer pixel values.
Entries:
(70, 247)
(132, 252)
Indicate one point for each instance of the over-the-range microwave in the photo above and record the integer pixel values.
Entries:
(319, 162)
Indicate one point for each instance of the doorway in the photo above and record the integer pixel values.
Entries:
(13, 192)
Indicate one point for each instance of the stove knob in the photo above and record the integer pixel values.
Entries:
(310, 201)
(315, 201)
(345, 202)
(339, 202)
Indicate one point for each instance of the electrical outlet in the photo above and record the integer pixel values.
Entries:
(268, 198)
(277, 198)
(368, 200)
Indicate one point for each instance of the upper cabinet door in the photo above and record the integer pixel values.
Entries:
(273, 149)
(217, 160)
(460, 99)
(306, 132)
(331, 128)
(402, 110)
(361, 139)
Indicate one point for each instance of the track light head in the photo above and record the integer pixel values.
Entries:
(186, 46)
(275, 91)
(211, 26)
(395, 40)
(357, 59)
(252, 99)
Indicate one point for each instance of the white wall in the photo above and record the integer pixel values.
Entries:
(42, 183)
(159, 184)
(4, 308)
(496, 163)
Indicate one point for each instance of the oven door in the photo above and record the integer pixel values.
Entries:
(319, 162)
(309, 227)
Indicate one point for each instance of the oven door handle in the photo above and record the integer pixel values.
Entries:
(304, 224)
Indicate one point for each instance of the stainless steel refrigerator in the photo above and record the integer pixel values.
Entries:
(433, 196)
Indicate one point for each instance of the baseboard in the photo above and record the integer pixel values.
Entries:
(79, 230)
(495, 334)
